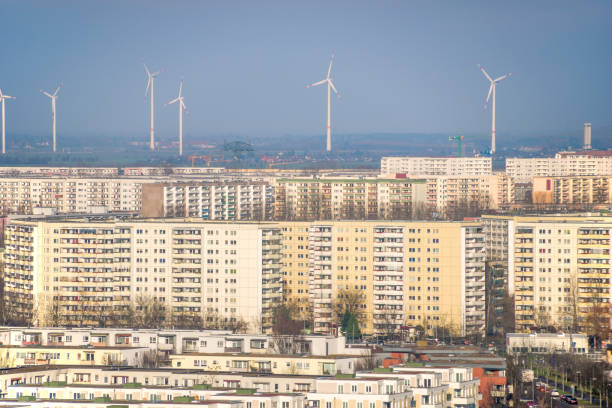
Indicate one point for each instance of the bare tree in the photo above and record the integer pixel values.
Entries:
(348, 300)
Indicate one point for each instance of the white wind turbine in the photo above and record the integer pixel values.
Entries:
(492, 91)
(151, 84)
(330, 86)
(53, 98)
(2, 98)
(182, 106)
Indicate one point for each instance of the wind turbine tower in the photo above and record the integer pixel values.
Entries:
(151, 85)
(330, 86)
(492, 91)
(3, 97)
(182, 106)
(53, 98)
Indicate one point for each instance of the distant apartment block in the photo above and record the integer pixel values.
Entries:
(568, 191)
(358, 198)
(436, 166)
(394, 272)
(546, 343)
(523, 170)
(452, 195)
(209, 200)
(90, 271)
(23, 195)
(397, 198)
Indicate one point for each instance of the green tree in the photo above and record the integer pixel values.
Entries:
(350, 326)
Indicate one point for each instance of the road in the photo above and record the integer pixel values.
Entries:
(567, 390)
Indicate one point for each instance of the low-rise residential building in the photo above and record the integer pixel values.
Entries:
(546, 343)
(267, 364)
(360, 392)
(18, 356)
(173, 341)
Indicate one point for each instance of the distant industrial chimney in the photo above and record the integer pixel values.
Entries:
(587, 136)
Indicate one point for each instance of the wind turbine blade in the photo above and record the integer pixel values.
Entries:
(180, 88)
(333, 87)
(148, 86)
(46, 93)
(172, 101)
(58, 88)
(184, 107)
(146, 69)
(317, 83)
(484, 72)
(330, 65)
(489, 95)
(8, 97)
(503, 77)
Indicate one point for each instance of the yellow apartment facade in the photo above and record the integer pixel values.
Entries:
(390, 273)
(558, 267)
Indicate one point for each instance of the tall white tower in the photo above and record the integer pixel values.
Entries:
(587, 136)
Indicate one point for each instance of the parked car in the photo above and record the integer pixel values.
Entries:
(570, 400)
(555, 393)
(532, 404)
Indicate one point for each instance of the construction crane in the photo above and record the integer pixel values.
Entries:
(459, 140)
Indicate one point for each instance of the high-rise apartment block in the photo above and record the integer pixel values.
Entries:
(436, 166)
(249, 200)
(390, 273)
(89, 271)
(558, 267)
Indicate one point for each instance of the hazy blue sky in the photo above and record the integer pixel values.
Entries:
(401, 66)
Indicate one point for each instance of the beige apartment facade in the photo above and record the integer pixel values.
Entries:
(558, 267)
(568, 191)
(83, 271)
(391, 274)
(336, 199)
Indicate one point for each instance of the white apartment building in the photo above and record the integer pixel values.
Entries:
(60, 171)
(461, 387)
(174, 341)
(523, 170)
(436, 166)
(546, 343)
(360, 392)
(23, 195)
(236, 200)
(83, 270)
